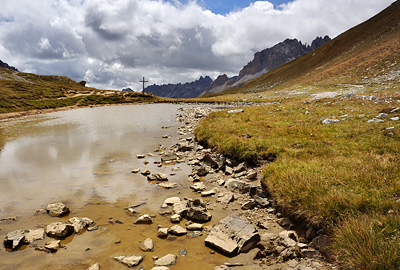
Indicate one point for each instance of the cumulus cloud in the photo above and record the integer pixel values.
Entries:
(113, 43)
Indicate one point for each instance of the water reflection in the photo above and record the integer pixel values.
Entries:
(88, 151)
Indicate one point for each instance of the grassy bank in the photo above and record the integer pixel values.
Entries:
(343, 177)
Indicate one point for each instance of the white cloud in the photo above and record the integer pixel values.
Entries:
(113, 43)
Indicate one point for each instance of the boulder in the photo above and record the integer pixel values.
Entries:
(162, 232)
(181, 208)
(145, 219)
(167, 260)
(80, 223)
(238, 186)
(34, 235)
(232, 235)
(59, 229)
(198, 211)
(147, 245)
(129, 261)
(177, 230)
(57, 209)
(15, 238)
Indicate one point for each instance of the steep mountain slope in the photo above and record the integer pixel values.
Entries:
(265, 61)
(364, 55)
(187, 90)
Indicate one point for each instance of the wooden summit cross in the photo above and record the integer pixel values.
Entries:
(143, 81)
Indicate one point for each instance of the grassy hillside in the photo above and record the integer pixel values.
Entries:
(342, 178)
(25, 91)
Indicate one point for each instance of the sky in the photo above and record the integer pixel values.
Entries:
(112, 44)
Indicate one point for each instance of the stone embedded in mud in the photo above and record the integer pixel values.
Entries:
(53, 245)
(129, 261)
(194, 227)
(181, 208)
(233, 235)
(251, 175)
(146, 172)
(15, 238)
(209, 192)
(198, 212)
(59, 230)
(160, 268)
(95, 266)
(240, 168)
(168, 185)
(157, 177)
(80, 223)
(248, 205)
(34, 235)
(147, 245)
(263, 202)
(145, 219)
(167, 260)
(226, 198)
(198, 187)
(57, 209)
(172, 201)
(169, 157)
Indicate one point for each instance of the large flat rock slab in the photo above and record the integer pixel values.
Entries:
(232, 235)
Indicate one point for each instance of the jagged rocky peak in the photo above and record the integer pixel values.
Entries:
(278, 55)
(5, 65)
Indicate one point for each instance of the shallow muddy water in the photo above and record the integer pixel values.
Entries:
(84, 158)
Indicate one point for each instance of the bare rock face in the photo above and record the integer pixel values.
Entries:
(57, 209)
(232, 235)
(15, 238)
(59, 229)
(129, 261)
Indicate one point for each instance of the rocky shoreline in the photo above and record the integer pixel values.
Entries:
(252, 235)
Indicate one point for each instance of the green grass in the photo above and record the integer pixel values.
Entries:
(339, 177)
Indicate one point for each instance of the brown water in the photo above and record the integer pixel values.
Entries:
(84, 158)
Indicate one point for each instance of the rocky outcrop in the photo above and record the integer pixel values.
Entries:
(5, 65)
(221, 83)
(186, 90)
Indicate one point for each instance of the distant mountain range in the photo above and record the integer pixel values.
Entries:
(187, 90)
(262, 62)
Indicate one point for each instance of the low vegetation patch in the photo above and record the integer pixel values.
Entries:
(343, 177)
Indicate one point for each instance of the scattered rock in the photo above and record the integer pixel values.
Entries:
(146, 172)
(57, 209)
(135, 170)
(15, 238)
(237, 186)
(236, 111)
(198, 211)
(232, 235)
(130, 261)
(226, 198)
(168, 185)
(10, 218)
(140, 156)
(323, 243)
(162, 232)
(59, 230)
(147, 245)
(95, 266)
(263, 202)
(194, 227)
(145, 219)
(158, 177)
(175, 218)
(375, 120)
(80, 223)
(209, 192)
(53, 246)
(330, 121)
(172, 201)
(250, 204)
(251, 175)
(177, 230)
(167, 260)
(160, 268)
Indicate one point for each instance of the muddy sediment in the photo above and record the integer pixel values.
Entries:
(115, 234)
